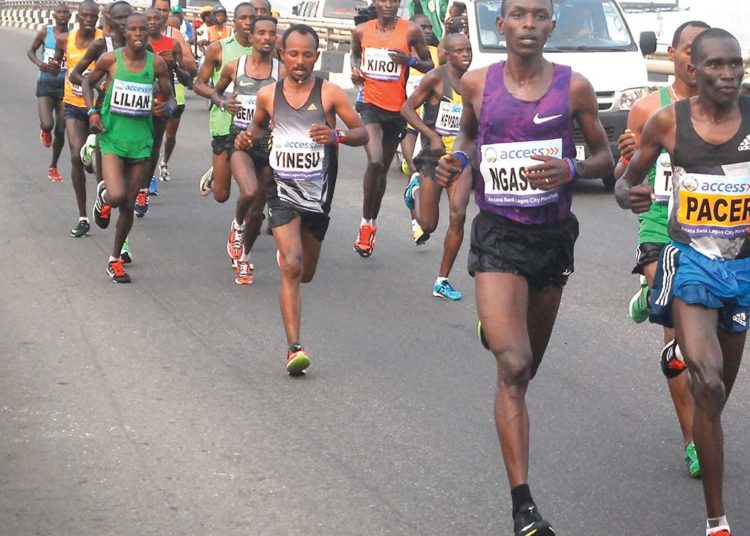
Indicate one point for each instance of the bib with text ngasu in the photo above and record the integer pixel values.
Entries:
(244, 117)
(714, 205)
(295, 159)
(378, 65)
(503, 169)
(131, 98)
(663, 178)
(448, 118)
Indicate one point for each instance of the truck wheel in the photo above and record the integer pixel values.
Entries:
(609, 182)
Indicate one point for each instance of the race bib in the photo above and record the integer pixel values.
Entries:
(714, 205)
(245, 116)
(412, 83)
(448, 118)
(503, 169)
(663, 178)
(131, 98)
(378, 65)
(49, 55)
(295, 159)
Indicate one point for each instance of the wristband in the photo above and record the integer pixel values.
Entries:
(413, 60)
(92, 111)
(571, 169)
(92, 116)
(338, 136)
(222, 102)
(462, 157)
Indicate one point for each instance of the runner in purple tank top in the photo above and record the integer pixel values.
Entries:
(517, 125)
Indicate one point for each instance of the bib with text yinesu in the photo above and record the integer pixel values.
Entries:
(663, 178)
(131, 98)
(244, 117)
(714, 205)
(449, 118)
(295, 159)
(503, 169)
(378, 65)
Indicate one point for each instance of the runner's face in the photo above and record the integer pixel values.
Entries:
(243, 20)
(87, 17)
(526, 26)
(387, 9)
(300, 56)
(220, 17)
(118, 16)
(261, 9)
(264, 37)
(153, 19)
(136, 32)
(61, 16)
(459, 52)
(426, 27)
(681, 54)
(164, 7)
(720, 70)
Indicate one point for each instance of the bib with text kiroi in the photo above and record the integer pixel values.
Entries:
(378, 65)
(296, 159)
(503, 168)
(714, 205)
(663, 178)
(244, 117)
(131, 98)
(449, 119)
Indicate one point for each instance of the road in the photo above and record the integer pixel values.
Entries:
(162, 407)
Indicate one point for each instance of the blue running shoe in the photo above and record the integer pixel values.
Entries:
(444, 289)
(153, 187)
(409, 191)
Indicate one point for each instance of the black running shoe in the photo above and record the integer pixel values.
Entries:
(81, 229)
(672, 364)
(529, 522)
(117, 272)
(480, 334)
(102, 211)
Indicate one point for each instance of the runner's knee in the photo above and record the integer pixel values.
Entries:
(514, 365)
(292, 267)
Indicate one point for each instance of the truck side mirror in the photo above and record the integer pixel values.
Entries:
(647, 43)
(295, 10)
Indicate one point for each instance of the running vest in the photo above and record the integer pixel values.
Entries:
(48, 54)
(385, 80)
(74, 94)
(219, 122)
(247, 89)
(711, 187)
(162, 44)
(179, 89)
(304, 170)
(126, 112)
(510, 132)
(654, 223)
(444, 117)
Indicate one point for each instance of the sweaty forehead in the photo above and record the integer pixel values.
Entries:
(717, 48)
(527, 4)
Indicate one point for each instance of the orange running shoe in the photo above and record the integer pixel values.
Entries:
(244, 273)
(116, 271)
(365, 243)
(296, 360)
(235, 246)
(141, 204)
(46, 139)
(54, 176)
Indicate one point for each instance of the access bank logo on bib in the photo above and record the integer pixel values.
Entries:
(714, 205)
(503, 169)
(295, 159)
(378, 65)
(131, 98)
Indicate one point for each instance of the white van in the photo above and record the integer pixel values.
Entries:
(593, 38)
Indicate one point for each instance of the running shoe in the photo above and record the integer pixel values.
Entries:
(639, 308)
(81, 229)
(409, 191)
(721, 532)
(102, 210)
(54, 176)
(480, 334)
(419, 236)
(671, 360)
(45, 138)
(164, 172)
(141, 204)
(235, 246)
(529, 522)
(691, 460)
(244, 273)
(404, 166)
(206, 181)
(125, 256)
(87, 153)
(296, 360)
(153, 187)
(365, 243)
(116, 271)
(444, 289)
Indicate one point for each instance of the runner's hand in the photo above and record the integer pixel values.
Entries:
(626, 144)
(321, 134)
(447, 170)
(550, 174)
(232, 105)
(641, 197)
(358, 78)
(168, 57)
(243, 140)
(161, 109)
(95, 124)
(437, 147)
(51, 68)
(399, 57)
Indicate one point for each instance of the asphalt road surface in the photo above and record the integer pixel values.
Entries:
(163, 407)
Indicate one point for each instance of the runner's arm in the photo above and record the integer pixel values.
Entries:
(586, 112)
(99, 71)
(628, 141)
(61, 43)
(187, 55)
(164, 77)
(418, 43)
(180, 70)
(38, 41)
(93, 52)
(356, 135)
(231, 104)
(355, 56)
(201, 86)
(262, 117)
(426, 89)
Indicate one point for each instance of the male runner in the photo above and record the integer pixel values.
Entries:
(304, 156)
(124, 127)
(50, 84)
(523, 238)
(381, 53)
(653, 234)
(250, 168)
(703, 281)
(72, 47)
(440, 94)
(218, 54)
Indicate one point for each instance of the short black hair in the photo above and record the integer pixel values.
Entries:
(712, 33)
(241, 5)
(268, 4)
(88, 3)
(303, 29)
(682, 27)
(256, 20)
(504, 5)
(153, 3)
(461, 6)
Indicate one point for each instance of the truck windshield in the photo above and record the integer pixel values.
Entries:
(342, 9)
(581, 26)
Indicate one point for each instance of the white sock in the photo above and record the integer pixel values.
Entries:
(715, 524)
(104, 196)
(237, 226)
(143, 190)
(112, 259)
(440, 280)
(83, 218)
(367, 222)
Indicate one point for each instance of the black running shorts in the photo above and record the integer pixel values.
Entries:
(647, 253)
(50, 87)
(280, 213)
(394, 125)
(222, 144)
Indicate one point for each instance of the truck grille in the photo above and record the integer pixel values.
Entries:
(606, 100)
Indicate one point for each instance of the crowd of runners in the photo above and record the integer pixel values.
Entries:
(117, 94)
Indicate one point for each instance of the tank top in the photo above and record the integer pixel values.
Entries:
(445, 116)
(179, 89)
(48, 54)
(126, 111)
(510, 132)
(73, 93)
(162, 44)
(385, 80)
(710, 187)
(220, 122)
(247, 89)
(304, 170)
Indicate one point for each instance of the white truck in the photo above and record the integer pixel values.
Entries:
(593, 38)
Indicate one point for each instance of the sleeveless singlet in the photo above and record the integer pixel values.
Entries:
(162, 44)
(710, 187)
(444, 117)
(510, 132)
(179, 89)
(126, 112)
(220, 122)
(73, 93)
(305, 171)
(385, 81)
(247, 89)
(48, 54)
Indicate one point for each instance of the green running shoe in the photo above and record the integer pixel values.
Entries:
(297, 360)
(691, 459)
(639, 308)
(480, 334)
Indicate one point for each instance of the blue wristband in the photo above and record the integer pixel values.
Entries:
(462, 157)
(571, 169)
(413, 60)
